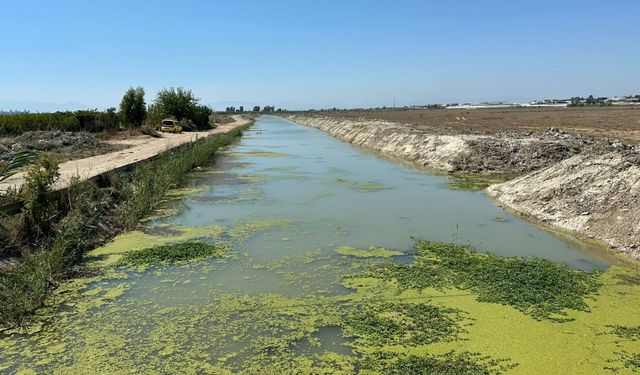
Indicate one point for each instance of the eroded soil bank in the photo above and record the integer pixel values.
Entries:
(565, 180)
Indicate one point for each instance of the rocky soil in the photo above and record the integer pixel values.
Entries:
(562, 179)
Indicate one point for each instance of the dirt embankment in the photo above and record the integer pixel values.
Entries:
(451, 150)
(596, 195)
(567, 180)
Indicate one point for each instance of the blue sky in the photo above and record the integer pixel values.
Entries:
(301, 54)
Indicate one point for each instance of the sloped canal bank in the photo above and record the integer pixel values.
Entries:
(316, 272)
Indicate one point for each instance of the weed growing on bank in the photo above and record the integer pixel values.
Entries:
(56, 229)
(537, 287)
(174, 253)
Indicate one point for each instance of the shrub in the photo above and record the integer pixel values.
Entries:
(39, 199)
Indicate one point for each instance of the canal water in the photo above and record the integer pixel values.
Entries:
(286, 198)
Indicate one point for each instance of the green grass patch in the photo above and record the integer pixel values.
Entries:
(175, 253)
(537, 287)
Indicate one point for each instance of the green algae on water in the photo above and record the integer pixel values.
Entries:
(372, 252)
(472, 183)
(175, 253)
(181, 192)
(270, 333)
(260, 154)
(537, 287)
(361, 186)
(111, 253)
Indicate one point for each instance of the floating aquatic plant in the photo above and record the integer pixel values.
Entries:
(450, 363)
(537, 287)
(409, 324)
(361, 186)
(372, 252)
(174, 253)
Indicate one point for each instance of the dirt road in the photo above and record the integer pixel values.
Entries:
(141, 149)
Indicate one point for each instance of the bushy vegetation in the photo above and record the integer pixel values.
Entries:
(83, 217)
(174, 253)
(89, 120)
(39, 199)
(182, 105)
(537, 287)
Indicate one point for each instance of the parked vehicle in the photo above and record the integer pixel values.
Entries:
(171, 126)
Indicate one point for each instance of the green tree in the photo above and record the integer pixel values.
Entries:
(200, 116)
(176, 102)
(241, 109)
(133, 109)
(256, 108)
(109, 120)
(576, 101)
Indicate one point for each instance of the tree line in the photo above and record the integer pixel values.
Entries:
(257, 108)
(590, 101)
